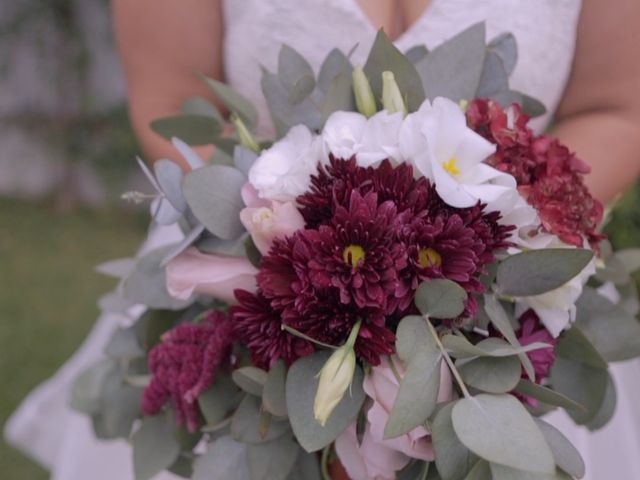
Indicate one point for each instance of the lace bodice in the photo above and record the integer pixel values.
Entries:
(256, 29)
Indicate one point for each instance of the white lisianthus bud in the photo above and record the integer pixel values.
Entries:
(365, 101)
(244, 135)
(391, 97)
(335, 378)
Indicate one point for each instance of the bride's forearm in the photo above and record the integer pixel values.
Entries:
(609, 141)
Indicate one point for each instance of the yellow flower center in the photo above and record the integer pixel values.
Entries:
(353, 255)
(428, 257)
(451, 167)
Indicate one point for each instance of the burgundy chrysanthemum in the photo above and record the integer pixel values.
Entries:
(333, 185)
(549, 175)
(185, 364)
(258, 326)
(531, 331)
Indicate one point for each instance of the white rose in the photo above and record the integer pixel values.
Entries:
(437, 140)
(284, 171)
(371, 140)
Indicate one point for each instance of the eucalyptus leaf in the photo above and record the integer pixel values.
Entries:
(147, 284)
(191, 129)
(154, 447)
(119, 268)
(583, 383)
(539, 271)
(115, 302)
(491, 374)
(453, 69)
(246, 423)
(219, 400)
(574, 345)
(201, 106)
(566, 455)
(243, 158)
(460, 347)
(339, 96)
(453, 460)
(301, 388)
(531, 106)
(169, 176)
(607, 409)
(234, 101)
(505, 46)
(274, 394)
(384, 56)
(494, 79)
(421, 379)
(182, 467)
(614, 332)
(502, 472)
(416, 53)
(225, 459)
(480, 471)
(630, 258)
(272, 460)
(123, 344)
(336, 64)
(440, 298)
(501, 322)
(119, 407)
(292, 67)
(213, 193)
(250, 379)
(185, 243)
(86, 389)
(306, 467)
(546, 395)
(500, 430)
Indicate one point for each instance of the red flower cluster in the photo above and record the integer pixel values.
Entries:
(549, 175)
(185, 364)
(373, 234)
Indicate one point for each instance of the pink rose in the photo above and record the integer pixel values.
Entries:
(377, 458)
(214, 275)
(265, 224)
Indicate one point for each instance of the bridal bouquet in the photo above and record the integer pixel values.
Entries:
(401, 285)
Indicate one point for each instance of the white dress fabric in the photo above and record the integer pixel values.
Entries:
(62, 440)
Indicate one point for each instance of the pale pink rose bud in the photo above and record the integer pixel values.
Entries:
(216, 275)
(265, 224)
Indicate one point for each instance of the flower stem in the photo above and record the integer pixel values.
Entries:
(324, 463)
(447, 359)
(297, 333)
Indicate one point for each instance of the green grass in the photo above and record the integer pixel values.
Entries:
(48, 294)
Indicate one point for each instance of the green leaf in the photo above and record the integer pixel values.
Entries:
(494, 80)
(499, 319)
(546, 395)
(213, 193)
(274, 394)
(385, 56)
(453, 69)
(505, 46)
(334, 65)
(539, 271)
(440, 298)
(182, 467)
(416, 53)
(502, 472)
(123, 344)
(191, 129)
(201, 106)
(460, 347)
(147, 284)
(491, 374)
(301, 388)
(272, 460)
(339, 96)
(250, 379)
(565, 454)
(217, 402)
(614, 332)
(306, 467)
(607, 409)
(500, 430)
(629, 258)
(583, 383)
(453, 460)
(295, 73)
(421, 380)
(225, 458)
(169, 176)
(531, 106)
(154, 447)
(233, 101)
(86, 389)
(574, 345)
(480, 471)
(246, 423)
(243, 158)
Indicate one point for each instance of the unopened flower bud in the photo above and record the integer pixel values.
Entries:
(244, 135)
(335, 378)
(391, 97)
(365, 101)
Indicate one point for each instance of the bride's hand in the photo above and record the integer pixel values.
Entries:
(163, 43)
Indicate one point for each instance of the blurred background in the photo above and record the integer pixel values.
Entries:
(66, 155)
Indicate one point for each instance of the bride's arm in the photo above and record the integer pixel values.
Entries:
(163, 43)
(599, 116)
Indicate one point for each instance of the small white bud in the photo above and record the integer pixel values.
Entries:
(244, 135)
(391, 97)
(365, 101)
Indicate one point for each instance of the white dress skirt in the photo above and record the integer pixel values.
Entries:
(62, 440)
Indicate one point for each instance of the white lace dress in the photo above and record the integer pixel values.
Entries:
(63, 441)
